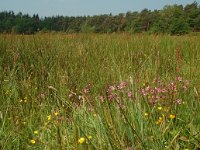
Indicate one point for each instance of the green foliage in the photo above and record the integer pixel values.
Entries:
(179, 27)
(87, 29)
(166, 20)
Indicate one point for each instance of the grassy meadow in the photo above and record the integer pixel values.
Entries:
(99, 91)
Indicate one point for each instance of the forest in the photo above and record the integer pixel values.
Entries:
(171, 19)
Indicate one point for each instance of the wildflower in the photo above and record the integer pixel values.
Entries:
(184, 88)
(20, 100)
(179, 101)
(152, 91)
(159, 108)
(144, 84)
(56, 113)
(144, 93)
(25, 99)
(172, 116)
(101, 98)
(112, 96)
(32, 141)
(89, 137)
(179, 79)
(164, 90)
(94, 115)
(35, 132)
(49, 117)
(111, 88)
(147, 88)
(87, 88)
(146, 114)
(81, 140)
(130, 94)
(70, 95)
(159, 121)
(158, 89)
(122, 85)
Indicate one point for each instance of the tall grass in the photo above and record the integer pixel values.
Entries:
(55, 92)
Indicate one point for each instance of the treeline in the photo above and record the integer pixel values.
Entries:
(172, 19)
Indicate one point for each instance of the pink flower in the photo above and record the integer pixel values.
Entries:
(163, 90)
(101, 98)
(87, 88)
(179, 79)
(172, 83)
(122, 85)
(111, 88)
(152, 91)
(112, 96)
(184, 88)
(147, 88)
(179, 101)
(130, 94)
(143, 92)
(158, 90)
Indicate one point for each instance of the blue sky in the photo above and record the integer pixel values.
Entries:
(84, 7)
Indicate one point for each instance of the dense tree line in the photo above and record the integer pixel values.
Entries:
(172, 19)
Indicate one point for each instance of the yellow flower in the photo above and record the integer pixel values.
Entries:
(32, 141)
(81, 140)
(56, 113)
(35, 132)
(89, 137)
(160, 108)
(146, 114)
(49, 117)
(159, 121)
(172, 116)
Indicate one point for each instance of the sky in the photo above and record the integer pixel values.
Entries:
(84, 7)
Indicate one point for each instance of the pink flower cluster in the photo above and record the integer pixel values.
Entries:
(87, 88)
(162, 92)
(113, 91)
